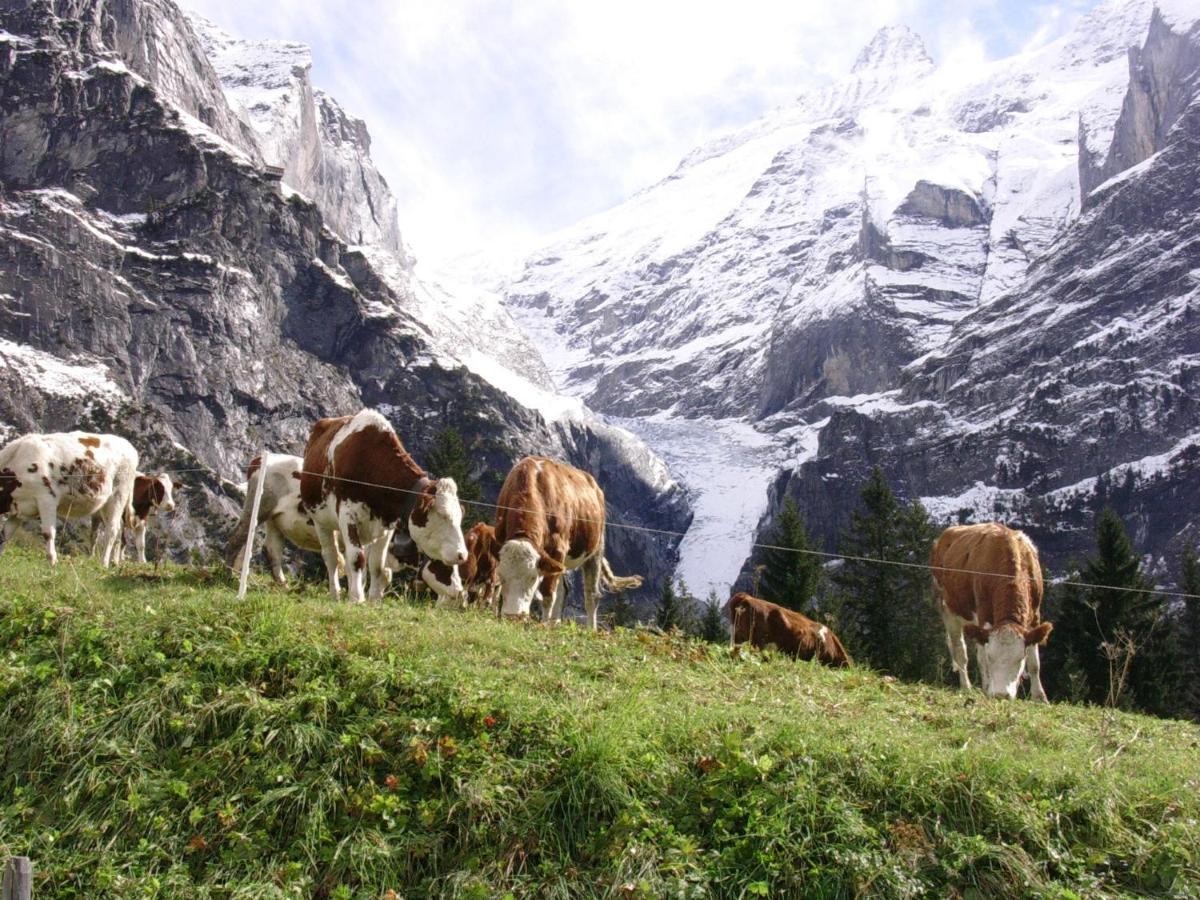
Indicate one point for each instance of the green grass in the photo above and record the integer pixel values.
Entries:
(159, 738)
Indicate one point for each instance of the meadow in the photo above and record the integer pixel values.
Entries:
(158, 738)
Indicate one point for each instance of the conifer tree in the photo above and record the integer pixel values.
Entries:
(789, 575)
(711, 624)
(448, 458)
(1097, 621)
(668, 613)
(885, 613)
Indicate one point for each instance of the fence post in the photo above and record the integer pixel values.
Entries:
(246, 554)
(18, 879)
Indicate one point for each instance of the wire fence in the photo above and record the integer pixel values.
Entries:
(754, 545)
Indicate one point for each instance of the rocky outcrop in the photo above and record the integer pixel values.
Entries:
(1162, 79)
(154, 281)
(324, 152)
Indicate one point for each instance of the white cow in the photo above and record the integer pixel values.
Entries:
(77, 476)
(280, 509)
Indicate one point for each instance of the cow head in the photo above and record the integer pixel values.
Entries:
(521, 568)
(444, 581)
(1001, 653)
(436, 523)
(162, 493)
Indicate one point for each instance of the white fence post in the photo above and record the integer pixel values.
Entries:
(18, 879)
(248, 552)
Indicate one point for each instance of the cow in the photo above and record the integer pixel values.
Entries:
(550, 520)
(280, 508)
(152, 494)
(988, 583)
(360, 482)
(473, 580)
(77, 475)
(762, 623)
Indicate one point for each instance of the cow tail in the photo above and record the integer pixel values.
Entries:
(615, 583)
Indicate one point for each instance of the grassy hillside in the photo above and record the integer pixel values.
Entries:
(158, 738)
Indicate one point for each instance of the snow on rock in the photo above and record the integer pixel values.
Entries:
(74, 379)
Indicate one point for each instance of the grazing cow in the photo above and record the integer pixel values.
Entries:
(988, 582)
(359, 481)
(475, 579)
(152, 494)
(762, 623)
(551, 520)
(282, 511)
(76, 476)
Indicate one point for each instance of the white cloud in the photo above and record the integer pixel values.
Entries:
(496, 121)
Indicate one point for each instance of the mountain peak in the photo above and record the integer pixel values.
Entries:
(892, 47)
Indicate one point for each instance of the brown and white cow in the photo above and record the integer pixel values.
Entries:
(75, 475)
(762, 623)
(988, 582)
(152, 494)
(359, 481)
(473, 580)
(551, 520)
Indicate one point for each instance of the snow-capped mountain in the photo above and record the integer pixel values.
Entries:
(816, 266)
(158, 281)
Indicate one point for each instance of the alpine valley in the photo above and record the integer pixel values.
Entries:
(985, 282)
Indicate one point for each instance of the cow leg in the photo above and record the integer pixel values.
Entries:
(591, 589)
(48, 514)
(329, 553)
(958, 648)
(377, 561)
(11, 524)
(139, 540)
(273, 545)
(110, 530)
(1033, 665)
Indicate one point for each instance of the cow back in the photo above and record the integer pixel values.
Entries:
(988, 573)
(313, 484)
(558, 508)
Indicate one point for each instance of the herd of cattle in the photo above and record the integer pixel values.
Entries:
(360, 499)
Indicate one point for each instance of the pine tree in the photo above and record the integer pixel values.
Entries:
(711, 623)
(621, 612)
(789, 575)
(885, 613)
(448, 458)
(1097, 623)
(1188, 633)
(671, 611)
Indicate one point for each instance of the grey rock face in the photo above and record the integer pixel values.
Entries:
(154, 282)
(325, 153)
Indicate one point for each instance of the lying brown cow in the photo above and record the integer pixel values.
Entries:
(988, 582)
(551, 520)
(762, 623)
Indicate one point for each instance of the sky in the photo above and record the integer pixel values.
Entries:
(497, 122)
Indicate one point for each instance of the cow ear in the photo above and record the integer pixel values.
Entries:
(176, 485)
(975, 633)
(420, 513)
(548, 566)
(1039, 634)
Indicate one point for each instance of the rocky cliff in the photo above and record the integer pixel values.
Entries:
(156, 281)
